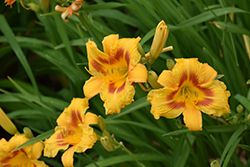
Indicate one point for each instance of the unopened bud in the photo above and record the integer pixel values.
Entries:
(140, 50)
(28, 133)
(45, 4)
(248, 82)
(248, 118)
(152, 80)
(7, 124)
(215, 163)
(239, 109)
(106, 143)
(34, 7)
(170, 64)
(234, 120)
(159, 41)
(102, 123)
(178, 123)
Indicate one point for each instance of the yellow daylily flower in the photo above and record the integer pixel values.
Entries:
(26, 156)
(68, 11)
(114, 71)
(188, 89)
(73, 129)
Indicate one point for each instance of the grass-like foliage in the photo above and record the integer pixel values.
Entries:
(44, 65)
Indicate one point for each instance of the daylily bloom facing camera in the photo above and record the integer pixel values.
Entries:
(26, 156)
(114, 71)
(73, 129)
(188, 89)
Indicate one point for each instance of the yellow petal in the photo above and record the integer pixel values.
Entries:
(127, 48)
(92, 87)
(67, 157)
(138, 74)
(74, 113)
(193, 119)
(166, 79)
(97, 59)
(6, 123)
(161, 105)
(110, 44)
(90, 118)
(206, 75)
(116, 97)
(88, 139)
(36, 150)
(215, 103)
(55, 143)
(38, 163)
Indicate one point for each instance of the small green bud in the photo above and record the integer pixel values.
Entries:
(170, 64)
(248, 82)
(214, 163)
(248, 118)
(152, 79)
(45, 4)
(102, 123)
(239, 108)
(107, 143)
(140, 50)
(234, 120)
(178, 123)
(28, 133)
(34, 7)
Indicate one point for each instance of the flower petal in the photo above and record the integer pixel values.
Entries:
(110, 44)
(162, 105)
(193, 119)
(38, 163)
(88, 139)
(116, 96)
(166, 79)
(206, 75)
(67, 157)
(127, 49)
(90, 118)
(92, 87)
(97, 59)
(74, 113)
(55, 143)
(138, 74)
(216, 102)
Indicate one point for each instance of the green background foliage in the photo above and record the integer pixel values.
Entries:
(45, 59)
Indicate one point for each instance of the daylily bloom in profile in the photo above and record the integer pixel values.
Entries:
(188, 89)
(26, 156)
(10, 2)
(73, 129)
(114, 71)
(68, 11)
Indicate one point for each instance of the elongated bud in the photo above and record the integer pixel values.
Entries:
(7, 124)
(45, 4)
(215, 163)
(140, 50)
(28, 133)
(170, 64)
(248, 118)
(152, 80)
(159, 41)
(102, 123)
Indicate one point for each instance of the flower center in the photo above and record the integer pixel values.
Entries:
(70, 136)
(189, 94)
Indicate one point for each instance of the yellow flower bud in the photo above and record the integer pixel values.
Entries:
(159, 41)
(7, 124)
(45, 4)
(215, 163)
(170, 64)
(152, 79)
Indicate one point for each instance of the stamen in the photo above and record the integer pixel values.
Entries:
(112, 70)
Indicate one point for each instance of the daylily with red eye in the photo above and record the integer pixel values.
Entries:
(114, 71)
(26, 156)
(188, 89)
(68, 11)
(73, 129)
